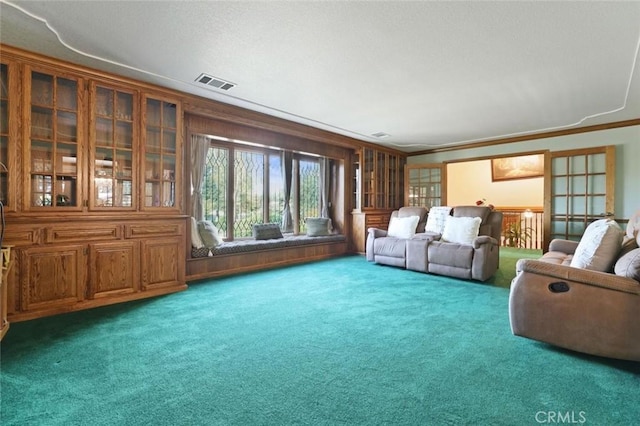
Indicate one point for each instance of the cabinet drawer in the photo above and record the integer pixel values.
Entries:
(101, 232)
(377, 221)
(149, 230)
(24, 237)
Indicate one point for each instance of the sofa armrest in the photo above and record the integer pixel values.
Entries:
(376, 233)
(481, 240)
(563, 246)
(578, 275)
(428, 236)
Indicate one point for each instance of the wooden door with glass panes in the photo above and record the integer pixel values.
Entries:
(425, 185)
(579, 188)
(9, 85)
(114, 137)
(162, 154)
(53, 148)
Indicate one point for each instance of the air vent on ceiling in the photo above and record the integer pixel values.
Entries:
(214, 82)
(380, 135)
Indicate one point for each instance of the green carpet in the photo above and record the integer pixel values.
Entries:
(336, 342)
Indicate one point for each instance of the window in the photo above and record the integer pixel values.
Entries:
(256, 194)
(214, 188)
(309, 205)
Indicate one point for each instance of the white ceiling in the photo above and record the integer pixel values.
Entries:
(430, 74)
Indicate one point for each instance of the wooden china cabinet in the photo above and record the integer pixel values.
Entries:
(93, 187)
(378, 183)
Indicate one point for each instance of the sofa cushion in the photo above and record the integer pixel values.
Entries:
(599, 246)
(437, 218)
(453, 255)
(209, 234)
(266, 231)
(318, 226)
(389, 247)
(633, 227)
(628, 244)
(461, 230)
(472, 211)
(629, 265)
(403, 227)
(196, 240)
(421, 212)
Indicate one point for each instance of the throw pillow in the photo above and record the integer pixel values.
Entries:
(196, 241)
(599, 246)
(437, 218)
(209, 234)
(629, 265)
(403, 227)
(266, 231)
(461, 230)
(318, 226)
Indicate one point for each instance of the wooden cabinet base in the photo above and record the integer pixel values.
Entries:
(88, 304)
(71, 265)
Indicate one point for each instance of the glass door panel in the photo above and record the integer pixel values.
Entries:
(392, 182)
(113, 137)
(53, 134)
(580, 190)
(368, 180)
(425, 185)
(160, 165)
(4, 134)
(380, 179)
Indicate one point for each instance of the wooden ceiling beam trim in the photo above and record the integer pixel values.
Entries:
(556, 133)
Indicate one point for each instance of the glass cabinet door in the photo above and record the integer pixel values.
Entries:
(4, 135)
(392, 182)
(113, 137)
(53, 158)
(368, 178)
(160, 166)
(380, 179)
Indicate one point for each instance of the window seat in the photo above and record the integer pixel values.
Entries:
(246, 246)
(248, 255)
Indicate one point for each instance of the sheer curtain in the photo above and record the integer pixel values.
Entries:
(199, 148)
(287, 172)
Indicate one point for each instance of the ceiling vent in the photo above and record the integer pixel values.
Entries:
(380, 135)
(214, 82)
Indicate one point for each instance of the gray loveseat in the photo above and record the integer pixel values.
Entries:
(427, 251)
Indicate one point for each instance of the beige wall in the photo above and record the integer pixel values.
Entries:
(470, 181)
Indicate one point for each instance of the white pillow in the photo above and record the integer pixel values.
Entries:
(461, 230)
(403, 227)
(209, 234)
(599, 246)
(196, 241)
(437, 218)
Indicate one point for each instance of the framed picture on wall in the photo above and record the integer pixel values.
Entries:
(518, 167)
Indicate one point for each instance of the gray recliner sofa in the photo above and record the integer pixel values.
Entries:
(426, 252)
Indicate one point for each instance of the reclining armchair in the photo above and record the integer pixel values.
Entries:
(391, 250)
(476, 259)
(581, 305)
